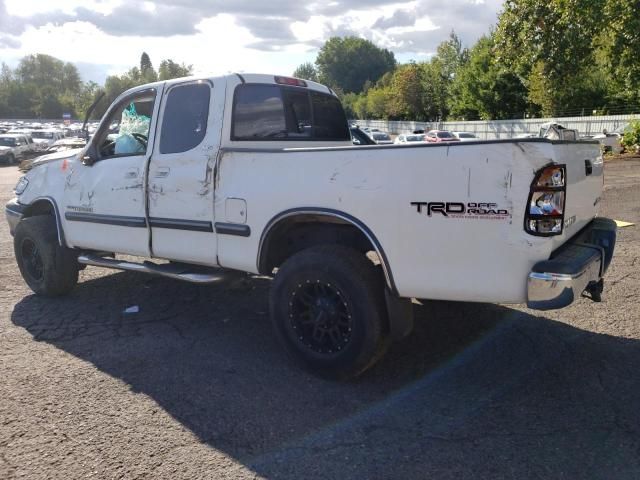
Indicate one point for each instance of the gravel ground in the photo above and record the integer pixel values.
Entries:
(194, 385)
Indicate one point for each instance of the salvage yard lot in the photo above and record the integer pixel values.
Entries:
(195, 386)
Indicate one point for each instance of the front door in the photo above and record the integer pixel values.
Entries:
(104, 203)
(181, 173)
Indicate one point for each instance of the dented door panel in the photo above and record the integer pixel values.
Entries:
(103, 203)
(180, 180)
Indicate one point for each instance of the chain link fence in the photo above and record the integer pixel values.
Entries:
(489, 130)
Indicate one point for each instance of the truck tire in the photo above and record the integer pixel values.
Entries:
(49, 269)
(328, 311)
(11, 159)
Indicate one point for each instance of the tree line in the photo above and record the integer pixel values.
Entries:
(42, 86)
(542, 59)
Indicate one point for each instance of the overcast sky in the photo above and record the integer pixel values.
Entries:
(269, 36)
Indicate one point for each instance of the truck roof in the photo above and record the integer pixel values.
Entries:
(243, 78)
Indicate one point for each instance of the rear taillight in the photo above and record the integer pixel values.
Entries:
(545, 209)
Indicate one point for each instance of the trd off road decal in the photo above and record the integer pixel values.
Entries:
(469, 210)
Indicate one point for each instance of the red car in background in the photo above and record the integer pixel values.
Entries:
(437, 136)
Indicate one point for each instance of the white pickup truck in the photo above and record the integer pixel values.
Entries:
(256, 173)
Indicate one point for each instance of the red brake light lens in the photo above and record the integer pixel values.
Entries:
(296, 82)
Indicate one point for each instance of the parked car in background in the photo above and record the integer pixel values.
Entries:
(12, 148)
(437, 136)
(465, 136)
(409, 137)
(26, 133)
(43, 139)
(611, 141)
(358, 137)
(556, 131)
(381, 138)
(62, 145)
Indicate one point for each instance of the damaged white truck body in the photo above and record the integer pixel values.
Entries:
(256, 173)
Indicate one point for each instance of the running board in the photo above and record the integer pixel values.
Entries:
(185, 272)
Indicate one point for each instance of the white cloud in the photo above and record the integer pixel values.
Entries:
(218, 36)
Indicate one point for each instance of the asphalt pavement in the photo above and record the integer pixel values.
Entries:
(194, 385)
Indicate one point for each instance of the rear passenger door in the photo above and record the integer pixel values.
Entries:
(180, 179)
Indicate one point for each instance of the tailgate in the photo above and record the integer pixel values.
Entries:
(585, 178)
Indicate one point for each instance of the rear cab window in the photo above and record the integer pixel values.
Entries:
(263, 112)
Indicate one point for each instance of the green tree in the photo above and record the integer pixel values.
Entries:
(349, 101)
(451, 56)
(306, 71)
(438, 75)
(484, 89)
(434, 91)
(85, 98)
(561, 48)
(620, 46)
(377, 102)
(347, 63)
(147, 71)
(71, 82)
(40, 71)
(169, 69)
(407, 94)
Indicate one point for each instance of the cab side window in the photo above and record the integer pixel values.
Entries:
(184, 122)
(272, 112)
(127, 127)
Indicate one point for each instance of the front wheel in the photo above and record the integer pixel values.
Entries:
(48, 268)
(328, 311)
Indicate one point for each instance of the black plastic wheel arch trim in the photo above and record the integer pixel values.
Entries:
(330, 213)
(61, 240)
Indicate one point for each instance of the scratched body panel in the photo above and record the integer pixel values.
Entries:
(471, 257)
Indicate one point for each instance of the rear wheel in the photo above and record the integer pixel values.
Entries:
(328, 311)
(48, 268)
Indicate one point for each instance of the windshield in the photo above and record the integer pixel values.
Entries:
(381, 136)
(37, 134)
(7, 141)
(466, 135)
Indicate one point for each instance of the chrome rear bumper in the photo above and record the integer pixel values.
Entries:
(578, 265)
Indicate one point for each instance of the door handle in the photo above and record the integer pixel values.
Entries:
(162, 172)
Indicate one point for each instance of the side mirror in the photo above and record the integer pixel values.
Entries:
(89, 156)
(88, 160)
(356, 141)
